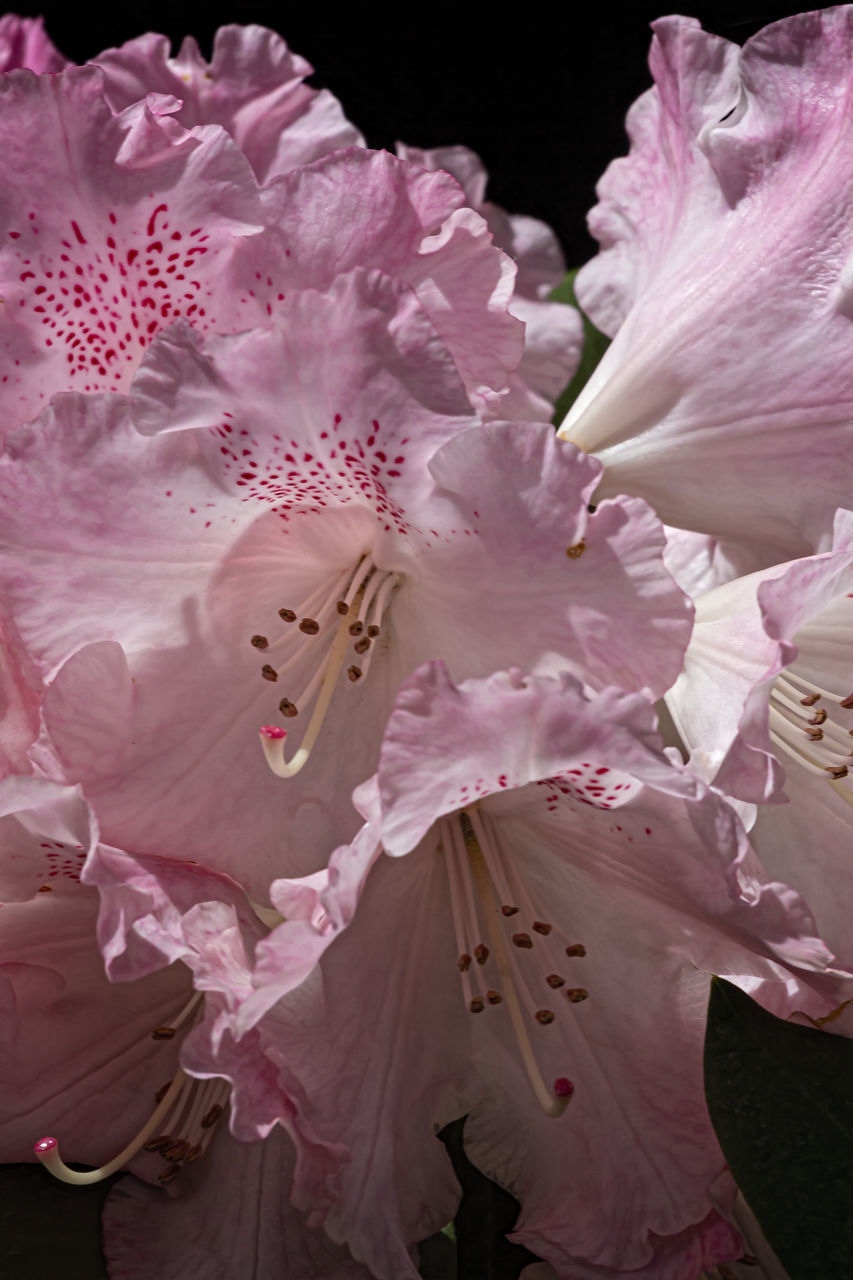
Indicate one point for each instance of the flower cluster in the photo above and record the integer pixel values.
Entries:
(334, 801)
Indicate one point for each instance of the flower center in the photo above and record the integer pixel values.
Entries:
(180, 1127)
(333, 623)
(806, 723)
(486, 889)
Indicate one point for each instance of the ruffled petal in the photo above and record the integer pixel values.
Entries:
(25, 43)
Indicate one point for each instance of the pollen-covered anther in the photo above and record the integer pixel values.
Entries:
(464, 963)
(810, 699)
(509, 911)
(309, 626)
(163, 1033)
(362, 645)
(481, 953)
(169, 1174)
(373, 632)
(576, 994)
(287, 708)
(269, 673)
(816, 735)
(576, 550)
(342, 608)
(477, 1004)
(287, 615)
(494, 997)
(354, 673)
(211, 1116)
(260, 642)
(356, 628)
(541, 927)
(576, 949)
(159, 1143)
(522, 940)
(819, 717)
(554, 980)
(544, 1016)
(847, 703)
(837, 772)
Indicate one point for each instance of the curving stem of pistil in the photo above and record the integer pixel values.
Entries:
(273, 738)
(47, 1149)
(552, 1103)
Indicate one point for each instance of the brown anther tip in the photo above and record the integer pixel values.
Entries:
(554, 980)
(162, 1091)
(342, 608)
(464, 963)
(809, 700)
(373, 631)
(541, 927)
(576, 949)
(158, 1143)
(45, 888)
(260, 642)
(288, 708)
(287, 615)
(494, 997)
(477, 1005)
(837, 771)
(362, 645)
(847, 702)
(210, 1117)
(163, 1033)
(576, 994)
(819, 717)
(509, 911)
(356, 628)
(193, 1153)
(309, 626)
(576, 550)
(169, 1174)
(522, 940)
(354, 673)
(816, 735)
(544, 1016)
(269, 673)
(481, 953)
(175, 1151)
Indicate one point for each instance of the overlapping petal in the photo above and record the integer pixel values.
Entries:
(725, 398)
(25, 43)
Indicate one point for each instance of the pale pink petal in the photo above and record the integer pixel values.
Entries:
(229, 1213)
(153, 224)
(724, 399)
(46, 832)
(699, 562)
(20, 690)
(25, 43)
(253, 87)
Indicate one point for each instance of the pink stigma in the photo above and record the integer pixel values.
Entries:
(272, 731)
(45, 1144)
(563, 1088)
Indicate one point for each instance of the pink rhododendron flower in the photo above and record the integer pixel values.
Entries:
(253, 87)
(764, 703)
(287, 519)
(725, 398)
(90, 1061)
(549, 934)
(553, 332)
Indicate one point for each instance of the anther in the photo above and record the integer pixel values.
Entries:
(287, 708)
(309, 626)
(540, 927)
(494, 997)
(847, 702)
(163, 1033)
(544, 1016)
(509, 911)
(269, 673)
(356, 628)
(554, 980)
(576, 550)
(816, 735)
(576, 994)
(481, 953)
(193, 1153)
(176, 1150)
(342, 608)
(576, 949)
(810, 699)
(837, 771)
(210, 1117)
(169, 1175)
(287, 615)
(819, 717)
(354, 673)
(477, 1005)
(362, 645)
(158, 1143)
(373, 631)
(162, 1091)
(260, 642)
(464, 963)
(523, 940)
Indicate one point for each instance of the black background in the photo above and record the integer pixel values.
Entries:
(541, 94)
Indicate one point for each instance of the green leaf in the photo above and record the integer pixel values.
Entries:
(781, 1101)
(594, 346)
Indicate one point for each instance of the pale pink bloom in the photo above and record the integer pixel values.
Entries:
(309, 501)
(253, 87)
(726, 397)
(25, 43)
(566, 892)
(553, 331)
(764, 704)
(84, 1058)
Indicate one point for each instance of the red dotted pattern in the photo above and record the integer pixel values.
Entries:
(591, 784)
(62, 860)
(299, 481)
(100, 297)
